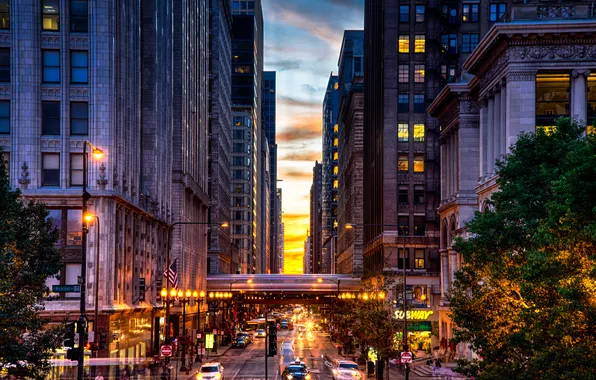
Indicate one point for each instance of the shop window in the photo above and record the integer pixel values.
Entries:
(404, 44)
(402, 194)
(403, 73)
(50, 169)
(400, 258)
(470, 13)
(418, 73)
(5, 65)
(449, 42)
(4, 116)
(402, 132)
(78, 67)
(403, 103)
(419, 104)
(497, 10)
(552, 98)
(469, 41)
(419, 259)
(419, 163)
(418, 194)
(402, 162)
(418, 132)
(404, 13)
(4, 14)
(51, 66)
(419, 225)
(78, 16)
(79, 118)
(419, 43)
(50, 118)
(76, 169)
(420, 13)
(50, 11)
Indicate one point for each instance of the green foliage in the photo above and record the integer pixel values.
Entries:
(27, 259)
(525, 297)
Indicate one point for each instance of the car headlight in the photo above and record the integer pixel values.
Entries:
(290, 377)
(307, 377)
(218, 375)
(355, 373)
(199, 375)
(335, 372)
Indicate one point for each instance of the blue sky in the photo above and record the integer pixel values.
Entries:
(302, 42)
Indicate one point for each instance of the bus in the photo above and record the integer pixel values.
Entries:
(259, 323)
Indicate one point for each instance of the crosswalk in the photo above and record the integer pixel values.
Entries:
(443, 373)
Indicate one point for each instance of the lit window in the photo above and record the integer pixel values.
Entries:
(552, 98)
(470, 13)
(419, 43)
(497, 10)
(335, 142)
(335, 128)
(4, 116)
(335, 184)
(419, 73)
(76, 169)
(404, 13)
(4, 14)
(419, 163)
(418, 258)
(591, 102)
(50, 169)
(74, 227)
(335, 156)
(418, 132)
(403, 71)
(78, 67)
(402, 132)
(5, 65)
(78, 16)
(404, 44)
(469, 41)
(50, 10)
(335, 170)
(402, 163)
(51, 66)
(403, 103)
(79, 118)
(419, 13)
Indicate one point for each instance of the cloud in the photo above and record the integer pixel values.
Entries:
(296, 175)
(301, 128)
(302, 156)
(350, 4)
(293, 218)
(311, 90)
(284, 64)
(295, 102)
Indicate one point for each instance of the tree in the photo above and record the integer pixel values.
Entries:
(27, 258)
(525, 297)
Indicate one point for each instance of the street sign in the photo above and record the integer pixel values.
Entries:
(66, 288)
(198, 335)
(406, 357)
(166, 350)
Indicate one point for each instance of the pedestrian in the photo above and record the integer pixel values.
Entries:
(339, 348)
(99, 376)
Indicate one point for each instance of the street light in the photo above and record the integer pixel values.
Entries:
(89, 218)
(214, 298)
(81, 325)
(349, 226)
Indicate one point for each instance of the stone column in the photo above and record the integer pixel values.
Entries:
(452, 264)
(444, 165)
(502, 128)
(445, 274)
(579, 92)
(521, 105)
(490, 148)
(497, 127)
(483, 137)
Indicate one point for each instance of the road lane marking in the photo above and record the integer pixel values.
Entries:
(238, 370)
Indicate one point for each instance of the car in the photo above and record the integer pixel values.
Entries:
(284, 324)
(260, 333)
(345, 369)
(245, 335)
(295, 371)
(213, 370)
(240, 341)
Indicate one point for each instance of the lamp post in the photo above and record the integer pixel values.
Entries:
(200, 301)
(89, 218)
(82, 325)
(214, 300)
(404, 273)
(320, 280)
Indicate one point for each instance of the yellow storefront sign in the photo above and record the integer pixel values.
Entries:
(419, 315)
(209, 340)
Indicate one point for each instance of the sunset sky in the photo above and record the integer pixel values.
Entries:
(302, 42)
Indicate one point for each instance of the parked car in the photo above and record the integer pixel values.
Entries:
(211, 370)
(345, 369)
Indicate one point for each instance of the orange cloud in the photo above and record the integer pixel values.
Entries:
(301, 128)
(295, 102)
(302, 156)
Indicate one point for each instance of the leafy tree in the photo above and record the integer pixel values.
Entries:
(525, 297)
(27, 258)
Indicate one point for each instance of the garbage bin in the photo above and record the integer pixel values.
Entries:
(370, 368)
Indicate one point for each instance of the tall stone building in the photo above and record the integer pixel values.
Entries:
(350, 122)
(247, 71)
(265, 202)
(330, 174)
(221, 257)
(316, 212)
(130, 78)
(534, 65)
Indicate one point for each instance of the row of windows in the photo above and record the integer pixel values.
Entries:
(470, 12)
(469, 42)
(50, 169)
(403, 103)
(403, 132)
(50, 15)
(403, 163)
(419, 43)
(404, 73)
(79, 66)
(419, 263)
(403, 195)
(50, 118)
(403, 221)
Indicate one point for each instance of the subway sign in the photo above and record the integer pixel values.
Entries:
(419, 315)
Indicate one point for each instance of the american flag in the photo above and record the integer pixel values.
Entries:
(172, 274)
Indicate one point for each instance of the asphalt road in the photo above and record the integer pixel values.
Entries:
(249, 362)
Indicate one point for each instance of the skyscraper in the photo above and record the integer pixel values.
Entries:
(330, 170)
(316, 213)
(221, 258)
(247, 69)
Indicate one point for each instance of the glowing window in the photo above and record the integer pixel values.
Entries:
(402, 162)
(404, 44)
(418, 132)
(419, 163)
(335, 184)
(552, 98)
(336, 128)
(419, 73)
(335, 156)
(335, 170)
(335, 142)
(402, 132)
(419, 43)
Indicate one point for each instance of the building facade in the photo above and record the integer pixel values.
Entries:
(532, 67)
(221, 257)
(315, 259)
(307, 257)
(247, 69)
(103, 74)
(330, 178)
(350, 150)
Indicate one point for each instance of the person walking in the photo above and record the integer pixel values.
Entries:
(99, 376)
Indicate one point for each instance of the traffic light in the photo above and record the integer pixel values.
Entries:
(70, 335)
(103, 341)
(272, 336)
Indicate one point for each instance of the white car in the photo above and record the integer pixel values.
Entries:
(260, 333)
(211, 370)
(346, 369)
